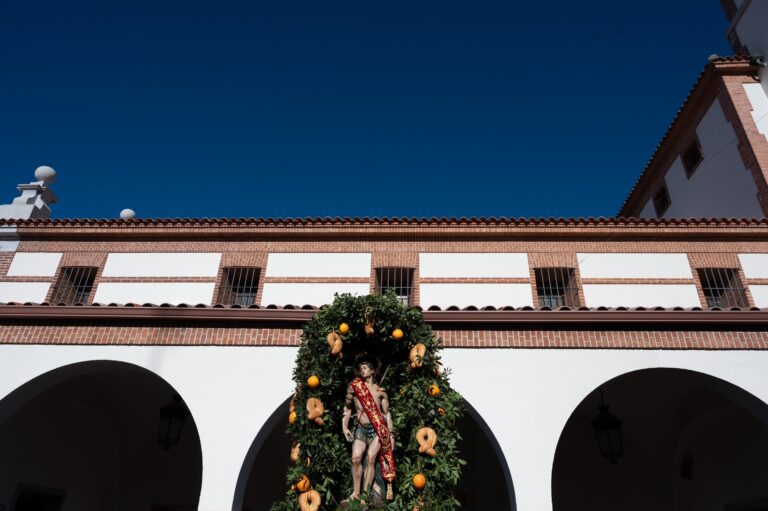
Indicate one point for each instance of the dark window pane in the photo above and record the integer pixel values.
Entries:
(722, 287)
(239, 286)
(661, 201)
(556, 287)
(396, 279)
(74, 285)
(692, 157)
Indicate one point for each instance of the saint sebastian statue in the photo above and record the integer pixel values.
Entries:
(372, 438)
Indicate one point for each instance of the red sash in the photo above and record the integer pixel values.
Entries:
(379, 425)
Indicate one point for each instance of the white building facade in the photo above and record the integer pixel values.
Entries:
(146, 364)
(135, 311)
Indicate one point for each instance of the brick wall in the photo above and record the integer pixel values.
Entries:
(502, 337)
(708, 244)
(753, 145)
(562, 252)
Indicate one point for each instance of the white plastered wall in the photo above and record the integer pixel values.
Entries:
(334, 265)
(29, 264)
(304, 265)
(542, 388)
(634, 266)
(641, 295)
(34, 264)
(479, 295)
(174, 293)
(9, 239)
(169, 264)
(759, 295)
(473, 265)
(721, 186)
(165, 265)
(317, 294)
(755, 266)
(637, 266)
(23, 292)
(758, 98)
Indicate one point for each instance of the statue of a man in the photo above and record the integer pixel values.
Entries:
(372, 437)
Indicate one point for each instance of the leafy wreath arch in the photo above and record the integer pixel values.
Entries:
(419, 393)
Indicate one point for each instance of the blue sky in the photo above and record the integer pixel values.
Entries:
(342, 108)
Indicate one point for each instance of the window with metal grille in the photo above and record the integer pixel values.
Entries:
(661, 201)
(556, 287)
(692, 157)
(722, 287)
(74, 285)
(399, 280)
(239, 286)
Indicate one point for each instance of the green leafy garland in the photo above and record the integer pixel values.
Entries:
(324, 456)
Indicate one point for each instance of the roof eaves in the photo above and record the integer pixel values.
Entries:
(719, 66)
(450, 316)
(362, 222)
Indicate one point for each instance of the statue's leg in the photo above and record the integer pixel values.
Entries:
(371, 458)
(358, 450)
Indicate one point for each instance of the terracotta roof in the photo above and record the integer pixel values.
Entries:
(737, 65)
(388, 221)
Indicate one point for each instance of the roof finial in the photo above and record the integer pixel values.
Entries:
(35, 199)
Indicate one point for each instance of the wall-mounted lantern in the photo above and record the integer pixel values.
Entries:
(608, 433)
(172, 419)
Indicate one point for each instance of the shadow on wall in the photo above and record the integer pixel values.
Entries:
(86, 437)
(690, 441)
(486, 484)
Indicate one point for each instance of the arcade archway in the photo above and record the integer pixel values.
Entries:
(690, 441)
(486, 484)
(86, 437)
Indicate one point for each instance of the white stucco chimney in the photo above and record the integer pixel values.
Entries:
(35, 198)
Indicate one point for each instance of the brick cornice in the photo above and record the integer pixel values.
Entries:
(413, 229)
(469, 319)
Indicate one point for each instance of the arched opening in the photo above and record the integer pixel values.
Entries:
(485, 485)
(689, 441)
(87, 437)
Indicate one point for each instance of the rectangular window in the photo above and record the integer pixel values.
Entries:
(692, 157)
(74, 285)
(239, 286)
(722, 287)
(397, 279)
(661, 201)
(556, 287)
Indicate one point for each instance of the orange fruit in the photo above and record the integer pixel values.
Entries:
(433, 390)
(303, 484)
(397, 334)
(292, 417)
(313, 381)
(440, 411)
(419, 481)
(344, 328)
